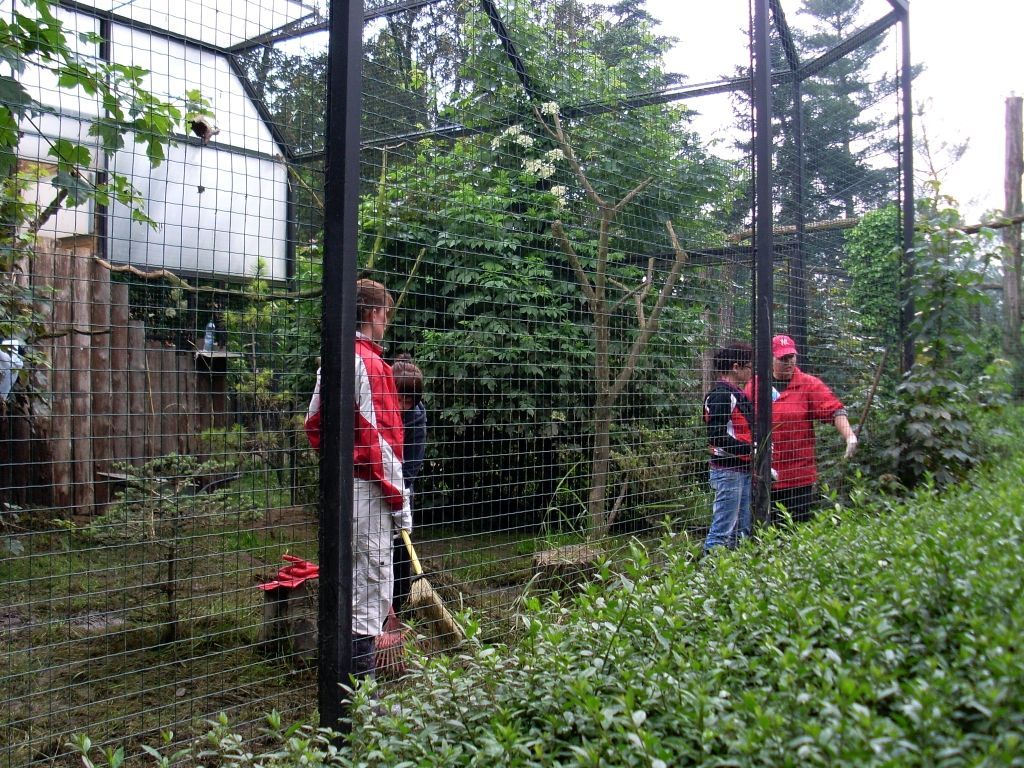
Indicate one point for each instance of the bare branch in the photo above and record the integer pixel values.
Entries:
(631, 194)
(408, 279)
(648, 329)
(173, 279)
(37, 223)
(570, 157)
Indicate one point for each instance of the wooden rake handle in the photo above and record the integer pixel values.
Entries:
(416, 567)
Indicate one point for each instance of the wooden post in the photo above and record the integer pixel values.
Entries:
(60, 385)
(81, 383)
(138, 399)
(102, 431)
(1012, 347)
(119, 367)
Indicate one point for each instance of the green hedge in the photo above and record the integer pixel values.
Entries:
(889, 635)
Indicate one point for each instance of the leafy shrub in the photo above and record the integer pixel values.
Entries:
(162, 507)
(858, 639)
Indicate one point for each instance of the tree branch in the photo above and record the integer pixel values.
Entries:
(574, 261)
(37, 223)
(570, 157)
(651, 325)
(630, 195)
(173, 279)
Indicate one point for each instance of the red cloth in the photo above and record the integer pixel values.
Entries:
(312, 427)
(805, 400)
(293, 575)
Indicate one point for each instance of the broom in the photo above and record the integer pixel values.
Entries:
(424, 601)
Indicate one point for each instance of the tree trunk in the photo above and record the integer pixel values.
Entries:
(1012, 347)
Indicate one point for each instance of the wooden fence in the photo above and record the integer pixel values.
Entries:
(106, 395)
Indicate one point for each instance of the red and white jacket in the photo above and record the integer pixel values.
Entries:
(377, 451)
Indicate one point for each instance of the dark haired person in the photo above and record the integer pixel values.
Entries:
(409, 384)
(801, 400)
(380, 502)
(729, 416)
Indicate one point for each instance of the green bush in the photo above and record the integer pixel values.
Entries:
(884, 635)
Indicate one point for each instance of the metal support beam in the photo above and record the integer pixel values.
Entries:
(797, 325)
(849, 44)
(907, 172)
(785, 36)
(510, 49)
(337, 382)
(764, 291)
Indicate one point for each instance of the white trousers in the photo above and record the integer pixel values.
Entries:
(372, 577)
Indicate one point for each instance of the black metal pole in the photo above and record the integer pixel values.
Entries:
(907, 170)
(797, 325)
(337, 383)
(763, 278)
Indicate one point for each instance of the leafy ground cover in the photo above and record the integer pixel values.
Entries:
(886, 634)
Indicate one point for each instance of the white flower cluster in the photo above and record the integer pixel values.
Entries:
(554, 155)
(549, 108)
(559, 192)
(512, 133)
(539, 167)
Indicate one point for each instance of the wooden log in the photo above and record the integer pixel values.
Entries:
(289, 622)
(60, 387)
(1012, 346)
(154, 400)
(81, 385)
(138, 401)
(99, 296)
(42, 292)
(565, 567)
(119, 370)
(171, 413)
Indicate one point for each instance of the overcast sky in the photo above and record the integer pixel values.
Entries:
(971, 53)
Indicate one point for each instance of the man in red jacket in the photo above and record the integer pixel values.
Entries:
(798, 401)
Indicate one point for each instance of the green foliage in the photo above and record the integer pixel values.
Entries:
(878, 636)
(932, 434)
(873, 263)
(32, 36)
(496, 312)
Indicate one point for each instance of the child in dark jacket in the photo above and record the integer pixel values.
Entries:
(729, 417)
(409, 384)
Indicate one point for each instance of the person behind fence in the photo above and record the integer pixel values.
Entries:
(729, 416)
(380, 501)
(801, 400)
(409, 383)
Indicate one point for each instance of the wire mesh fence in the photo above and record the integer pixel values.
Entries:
(564, 250)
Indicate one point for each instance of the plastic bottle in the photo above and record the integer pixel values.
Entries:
(211, 330)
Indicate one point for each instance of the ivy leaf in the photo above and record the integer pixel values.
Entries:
(14, 96)
(70, 155)
(78, 190)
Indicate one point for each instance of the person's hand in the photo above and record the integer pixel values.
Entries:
(851, 446)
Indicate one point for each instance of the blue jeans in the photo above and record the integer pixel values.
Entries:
(731, 518)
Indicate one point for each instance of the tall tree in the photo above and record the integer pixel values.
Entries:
(849, 141)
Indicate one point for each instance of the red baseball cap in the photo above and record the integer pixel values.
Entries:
(783, 345)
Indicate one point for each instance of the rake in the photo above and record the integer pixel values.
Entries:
(425, 601)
